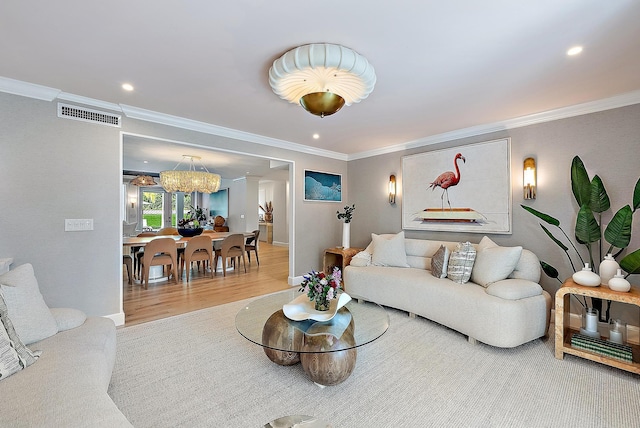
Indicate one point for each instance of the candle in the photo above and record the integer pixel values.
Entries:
(592, 321)
(615, 336)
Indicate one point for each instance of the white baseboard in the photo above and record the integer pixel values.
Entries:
(280, 244)
(575, 322)
(295, 280)
(117, 318)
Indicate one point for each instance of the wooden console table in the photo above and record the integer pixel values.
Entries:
(563, 331)
(339, 257)
(266, 232)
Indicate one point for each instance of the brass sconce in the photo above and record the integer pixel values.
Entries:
(392, 189)
(529, 178)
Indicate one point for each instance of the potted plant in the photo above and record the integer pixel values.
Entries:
(592, 199)
(268, 211)
(189, 225)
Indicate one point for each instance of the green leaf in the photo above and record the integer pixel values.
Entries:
(599, 198)
(636, 196)
(631, 262)
(542, 216)
(549, 270)
(554, 239)
(580, 183)
(618, 231)
(587, 228)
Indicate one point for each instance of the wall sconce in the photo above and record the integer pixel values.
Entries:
(529, 178)
(392, 189)
(132, 201)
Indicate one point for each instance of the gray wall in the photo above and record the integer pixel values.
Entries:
(53, 168)
(607, 142)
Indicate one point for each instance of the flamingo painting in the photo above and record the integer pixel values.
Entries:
(448, 179)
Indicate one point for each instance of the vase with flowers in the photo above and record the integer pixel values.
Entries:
(189, 225)
(321, 288)
(346, 216)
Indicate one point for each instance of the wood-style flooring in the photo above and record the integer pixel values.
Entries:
(166, 298)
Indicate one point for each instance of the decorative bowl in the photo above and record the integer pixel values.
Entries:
(188, 233)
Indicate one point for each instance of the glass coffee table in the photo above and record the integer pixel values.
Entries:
(327, 350)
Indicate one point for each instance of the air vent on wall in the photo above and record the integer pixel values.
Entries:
(87, 115)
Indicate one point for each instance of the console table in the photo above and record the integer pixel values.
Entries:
(563, 331)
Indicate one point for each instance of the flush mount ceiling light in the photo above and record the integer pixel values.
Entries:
(322, 77)
(143, 181)
(190, 180)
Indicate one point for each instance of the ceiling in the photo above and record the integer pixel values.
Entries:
(440, 66)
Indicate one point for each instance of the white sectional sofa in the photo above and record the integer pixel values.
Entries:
(506, 312)
(66, 386)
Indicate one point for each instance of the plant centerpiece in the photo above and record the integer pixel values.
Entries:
(322, 288)
(346, 216)
(189, 225)
(592, 199)
(268, 211)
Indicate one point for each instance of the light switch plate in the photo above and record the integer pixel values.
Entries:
(78, 224)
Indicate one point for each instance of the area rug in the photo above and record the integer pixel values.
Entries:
(195, 370)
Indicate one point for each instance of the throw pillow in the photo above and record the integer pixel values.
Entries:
(27, 310)
(14, 356)
(514, 289)
(439, 262)
(494, 263)
(361, 259)
(461, 262)
(389, 252)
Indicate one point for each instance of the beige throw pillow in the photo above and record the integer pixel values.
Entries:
(461, 262)
(494, 263)
(361, 259)
(389, 251)
(439, 262)
(27, 310)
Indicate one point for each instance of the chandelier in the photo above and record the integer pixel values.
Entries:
(322, 77)
(143, 181)
(190, 180)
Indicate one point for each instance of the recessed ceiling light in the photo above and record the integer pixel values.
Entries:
(574, 50)
(127, 87)
(316, 136)
(145, 161)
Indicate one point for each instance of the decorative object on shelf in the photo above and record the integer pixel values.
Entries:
(587, 277)
(617, 331)
(143, 181)
(347, 216)
(321, 288)
(591, 196)
(608, 268)
(392, 189)
(322, 77)
(529, 178)
(619, 283)
(190, 180)
(301, 308)
(268, 211)
(590, 319)
(602, 347)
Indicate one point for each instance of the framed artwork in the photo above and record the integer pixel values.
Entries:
(461, 189)
(219, 203)
(322, 186)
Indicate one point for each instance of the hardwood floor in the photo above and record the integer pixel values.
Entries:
(166, 298)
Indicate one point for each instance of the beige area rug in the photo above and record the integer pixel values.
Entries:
(195, 370)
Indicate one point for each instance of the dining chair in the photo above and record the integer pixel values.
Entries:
(252, 245)
(127, 260)
(200, 249)
(138, 252)
(232, 246)
(168, 231)
(159, 252)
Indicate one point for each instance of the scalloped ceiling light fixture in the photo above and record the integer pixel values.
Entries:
(322, 77)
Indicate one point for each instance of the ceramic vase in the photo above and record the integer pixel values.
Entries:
(346, 235)
(619, 283)
(586, 277)
(608, 269)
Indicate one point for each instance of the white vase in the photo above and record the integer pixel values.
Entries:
(346, 235)
(619, 283)
(608, 269)
(586, 277)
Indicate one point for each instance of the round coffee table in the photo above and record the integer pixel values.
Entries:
(327, 350)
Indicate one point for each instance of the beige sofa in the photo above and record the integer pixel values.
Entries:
(67, 385)
(506, 313)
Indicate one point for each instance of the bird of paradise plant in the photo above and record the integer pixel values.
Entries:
(591, 196)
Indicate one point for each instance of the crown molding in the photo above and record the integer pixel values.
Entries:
(617, 101)
(30, 90)
(89, 101)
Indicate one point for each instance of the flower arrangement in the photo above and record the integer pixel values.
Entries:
(321, 287)
(192, 219)
(347, 214)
